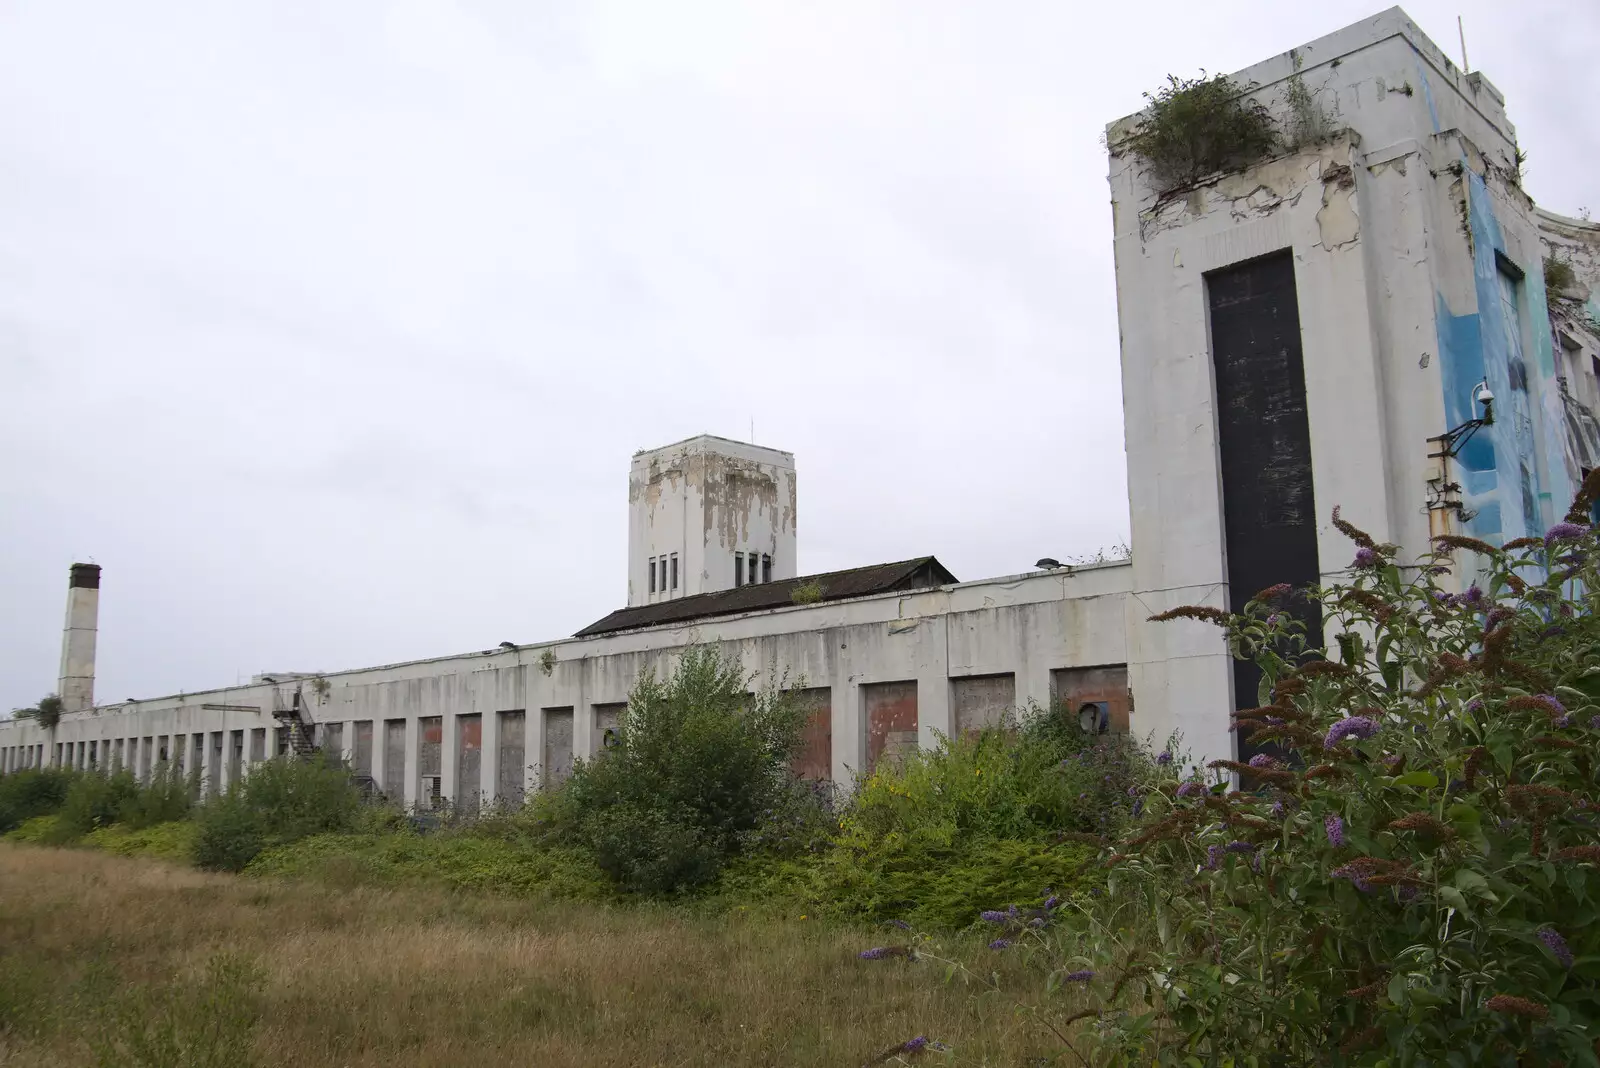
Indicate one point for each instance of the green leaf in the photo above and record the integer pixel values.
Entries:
(1468, 823)
(1397, 989)
(1426, 779)
(1452, 897)
(1470, 882)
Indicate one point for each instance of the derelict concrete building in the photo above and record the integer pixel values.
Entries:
(1318, 326)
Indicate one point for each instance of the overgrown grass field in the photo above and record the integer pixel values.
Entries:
(116, 961)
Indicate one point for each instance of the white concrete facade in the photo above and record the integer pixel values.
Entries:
(75, 686)
(1417, 268)
(1025, 626)
(1399, 218)
(704, 513)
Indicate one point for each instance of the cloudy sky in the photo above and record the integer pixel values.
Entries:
(328, 329)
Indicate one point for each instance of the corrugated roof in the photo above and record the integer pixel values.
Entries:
(921, 573)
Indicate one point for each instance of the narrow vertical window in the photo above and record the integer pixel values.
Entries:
(738, 569)
(674, 559)
(766, 567)
(652, 574)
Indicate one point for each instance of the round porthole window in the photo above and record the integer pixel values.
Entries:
(1094, 717)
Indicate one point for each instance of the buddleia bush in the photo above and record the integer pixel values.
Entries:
(1417, 879)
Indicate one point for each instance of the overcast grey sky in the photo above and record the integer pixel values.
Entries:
(328, 328)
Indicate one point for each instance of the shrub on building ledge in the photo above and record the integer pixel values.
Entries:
(1198, 126)
(807, 592)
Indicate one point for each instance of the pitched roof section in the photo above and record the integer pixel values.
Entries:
(922, 573)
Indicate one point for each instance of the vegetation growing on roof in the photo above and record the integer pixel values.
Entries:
(809, 592)
(1198, 126)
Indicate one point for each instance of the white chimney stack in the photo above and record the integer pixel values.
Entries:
(76, 686)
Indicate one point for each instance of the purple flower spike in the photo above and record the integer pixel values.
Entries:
(914, 1045)
(1262, 760)
(1277, 809)
(1000, 943)
(1335, 828)
(1552, 703)
(1078, 977)
(1163, 757)
(1366, 558)
(1556, 945)
(1240, 846)
(994, 916)
(875, 953)
(1563, 532)
(1188, 789)
(1594, 722)
(1051, 902)
(1350, 727)
(1562, 721)
(1213, 857)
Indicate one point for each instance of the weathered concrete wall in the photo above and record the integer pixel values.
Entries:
(1025, 626)
(703, 500)
(1400, 219)
(76, 683)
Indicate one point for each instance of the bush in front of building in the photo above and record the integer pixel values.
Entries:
(701, 765)
(32, 792)
(94, 800)
(1417, 879)
(985, 820)
(280, 801)
(166, 798)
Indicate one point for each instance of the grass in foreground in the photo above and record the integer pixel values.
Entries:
(112, 961)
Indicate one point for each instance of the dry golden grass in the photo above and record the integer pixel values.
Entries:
(358, 977)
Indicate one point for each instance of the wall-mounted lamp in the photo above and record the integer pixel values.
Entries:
(1451, 442)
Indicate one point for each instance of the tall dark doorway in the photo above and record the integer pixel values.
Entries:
(1268, 507)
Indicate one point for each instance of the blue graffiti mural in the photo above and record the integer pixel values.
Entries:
(1513, 473)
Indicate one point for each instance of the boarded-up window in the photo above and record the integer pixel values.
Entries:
(607, 721)
(361, 748)
(235, 756)
(557, 763)
(146, 748)
(891, 719)
(815, 758)
(1074, 690)
(430, 760)
(979, 701)
(469, 761)
(333, 740)
(512, 763)
(394, 759)
(258, 744)
(280, 741)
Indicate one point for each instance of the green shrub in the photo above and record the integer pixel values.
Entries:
(461, 861)
(1193, 127)
(929, 882)
(167, 797)
(1048, 776)
(164, 841)
(96, 800)
(1418, 882)
(32, 792)
(37, 830)
(700, 764)
(280, 801)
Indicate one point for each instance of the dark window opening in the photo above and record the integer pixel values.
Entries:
(674, 559)
(766, 568)
(738, 569)
(652, 574)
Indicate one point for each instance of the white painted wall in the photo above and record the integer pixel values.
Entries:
(1027, 625)
(1376, 216)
